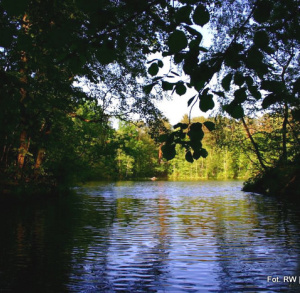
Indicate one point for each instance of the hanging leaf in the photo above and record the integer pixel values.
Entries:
(261, 40)
(270, 100)
(206, 103)
(234, 110)
(169, 151)
(249, 80)
(180, 125)
(183, 15)
(167, 86)
(226, 82)
(160, 64)
(180, 89)
(178, 58)
(254, 92)
(190, 101)
(201, 15)
(209, 125)
(148, 88)
(189, 157)
(177, 41)
(203, 153)
(194, 44)
(233, 57)
(196, 133)
(239, 78)
(153, 69)
(197, 154)
(240, 95)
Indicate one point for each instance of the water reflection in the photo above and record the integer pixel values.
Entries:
(151, 237)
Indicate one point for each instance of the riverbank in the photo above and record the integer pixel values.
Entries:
(280, 181)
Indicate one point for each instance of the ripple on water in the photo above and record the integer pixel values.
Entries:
(190, 237)
(154, 237)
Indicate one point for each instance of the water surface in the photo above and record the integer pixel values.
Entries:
(206, 236)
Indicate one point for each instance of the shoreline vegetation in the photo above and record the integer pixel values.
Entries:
(70, 70)
(130, 153)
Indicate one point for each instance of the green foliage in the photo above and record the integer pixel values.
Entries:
(201, 15)
(153, 69)
(105, 45)
(177, 41)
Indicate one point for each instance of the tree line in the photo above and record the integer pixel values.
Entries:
(88, 61)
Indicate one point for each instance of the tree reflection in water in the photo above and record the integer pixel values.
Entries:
(150, 237)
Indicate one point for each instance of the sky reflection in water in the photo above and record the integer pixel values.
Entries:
(153, 237)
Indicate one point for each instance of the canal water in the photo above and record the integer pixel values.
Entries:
(160, 236)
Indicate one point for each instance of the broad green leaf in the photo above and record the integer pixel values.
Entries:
(201, 15)
(196, 133)
(195, 144)
(261, 40)
(148, 88)
(194, 44)
(160, 64)
(234, 110)
(239, 78)
(254, 92)
(153, 69)
(249, 80)
(197, 154)
(197, 126)
(209, 125)
(167, 86)
(180, 89)
(233, 57)
(190, 101)
(180, 125)
(169, 151)
(203, 153)
(226, 82)
(240, 95)
(189, 157)
(180, 135)
(177, 41)
(270, 100)
(178, 58)
(206, 103)
(183, 15)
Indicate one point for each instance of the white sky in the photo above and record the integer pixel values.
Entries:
(175, 108)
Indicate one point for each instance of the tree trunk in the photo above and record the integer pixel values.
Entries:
(257, 152)
(284, 131)
(39, 161)
(23, 150)
(24, 139)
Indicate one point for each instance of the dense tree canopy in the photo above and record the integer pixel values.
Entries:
(49, 48)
